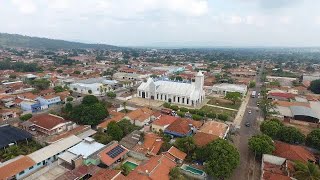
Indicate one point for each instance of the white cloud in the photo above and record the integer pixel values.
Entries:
(25, 6)
(285, 20)
(235, 20)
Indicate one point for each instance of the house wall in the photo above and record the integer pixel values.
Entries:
(37, 166)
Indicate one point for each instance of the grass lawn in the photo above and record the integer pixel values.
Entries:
(22, 148)
(224, 103)
(219, 111)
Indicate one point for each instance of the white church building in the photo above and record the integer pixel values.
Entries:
(190, 94)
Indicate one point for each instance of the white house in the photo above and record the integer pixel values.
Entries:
(190, 94)
(94, 86)
(224, 88)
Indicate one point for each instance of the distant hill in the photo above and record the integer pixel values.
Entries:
(15, 40)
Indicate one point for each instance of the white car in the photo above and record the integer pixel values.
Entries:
(249, 111)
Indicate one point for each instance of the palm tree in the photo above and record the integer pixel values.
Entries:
(125, 106)
(308, 171)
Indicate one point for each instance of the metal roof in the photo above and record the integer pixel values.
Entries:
(303, 111)
(54, 149)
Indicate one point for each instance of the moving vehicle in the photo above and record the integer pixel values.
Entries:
(247, 124)
(249, 111)
(253, 94)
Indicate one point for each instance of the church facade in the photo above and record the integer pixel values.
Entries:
(189, 94)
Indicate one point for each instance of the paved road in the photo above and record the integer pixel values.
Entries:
(249, 168)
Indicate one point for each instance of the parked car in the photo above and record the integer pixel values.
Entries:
(249, 111)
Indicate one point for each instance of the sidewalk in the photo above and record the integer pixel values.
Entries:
(238, 119)
(221, 107)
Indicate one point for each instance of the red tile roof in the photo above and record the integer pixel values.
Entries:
(157, 167)
(202, 139)
(106, 159)
(151, 144)
(47, 121)
(15, 167)
(181, 125)
(116, 117)
(108, 174)
(165, 120)
(177, 153)
(293, 152)
(283, 95)
(140, 114)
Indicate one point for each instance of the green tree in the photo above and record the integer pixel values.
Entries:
(222, 159)
(175, 174)
(174, 107)
(309, 171)
(102, 137)
(166, 105)
(58, 89)
(181, 114)
(261, 144)
(25, 117)
(90, 91)
(125, 169)
(290, 135)
(126, 126)
(89, 100)
(233, 96)
(114, 131)
(69, 99)
(196, 117)
(91, 114)
(186, 144)
(111, 94)
(315, 86)
(77, 72)
(223, 117)
(252, 84)
(40, 84)
(59, 71)
(270, 128)
(313, 139)
(183, 109)
(68, 107)
(12, 76)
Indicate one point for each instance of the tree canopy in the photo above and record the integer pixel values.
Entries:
(290, 135)
(186, 144)
(115, 131)
(309, 171)
(313, 139)
(90, 111)
(222, 159)
(89, 100)
(315, 86)
(40, 84)
(233, 96)
(261, 144)
(271, 128)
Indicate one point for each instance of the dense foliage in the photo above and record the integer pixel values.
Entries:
(313, 139)
(309, 171)
(222, 159)
(271, 128)
(90, 111)
(19, 66)
(261, 144)
(290, 135)
(40, 84)
(25, 117)
(14, 40)
(315, 86)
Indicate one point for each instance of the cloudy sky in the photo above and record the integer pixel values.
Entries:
(167, 22)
